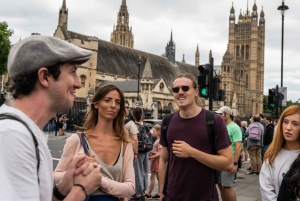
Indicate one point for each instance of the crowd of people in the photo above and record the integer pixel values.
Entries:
(192, 153)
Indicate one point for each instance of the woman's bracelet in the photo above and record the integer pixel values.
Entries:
(82, 187)
(136, 153)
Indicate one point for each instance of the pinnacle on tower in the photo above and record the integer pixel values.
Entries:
(123, 2)
(183, 60)
(171, 40)
(64, 5)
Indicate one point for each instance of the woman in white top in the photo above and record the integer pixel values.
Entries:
(283, 150)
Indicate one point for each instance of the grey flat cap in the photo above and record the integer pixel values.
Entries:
(35, 52)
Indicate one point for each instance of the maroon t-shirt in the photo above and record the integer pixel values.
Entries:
(188, 179)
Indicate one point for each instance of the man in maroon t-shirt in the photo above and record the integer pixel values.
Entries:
(190, 158)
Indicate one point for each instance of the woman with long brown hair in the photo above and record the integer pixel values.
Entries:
(281, 153)
(108, 141)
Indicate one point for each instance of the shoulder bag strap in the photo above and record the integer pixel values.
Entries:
(37, 153)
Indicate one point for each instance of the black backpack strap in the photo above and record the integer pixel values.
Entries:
(127, 120)
(210, 127)
(165, 126)
(11, 117)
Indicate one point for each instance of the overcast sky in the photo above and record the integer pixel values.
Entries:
(193, 22)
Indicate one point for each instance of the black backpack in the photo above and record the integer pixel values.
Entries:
(210, 127)
(145, 139)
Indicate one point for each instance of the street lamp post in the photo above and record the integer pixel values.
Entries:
(225, 92)
(139, 63)
(282, 9)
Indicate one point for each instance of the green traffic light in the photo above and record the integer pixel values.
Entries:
(204, 92)
(272, 105)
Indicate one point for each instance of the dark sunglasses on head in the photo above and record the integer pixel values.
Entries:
(184, 88)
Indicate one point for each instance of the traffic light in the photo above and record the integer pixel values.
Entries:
(222, 95)
(272, 99)
(203, 80)
(203, 86)
(216, 89)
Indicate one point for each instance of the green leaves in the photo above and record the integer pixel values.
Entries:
(5, 33)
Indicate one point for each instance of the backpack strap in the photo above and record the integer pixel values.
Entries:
(127, 120)
(35, 142)
(210, 127)
(165, 126)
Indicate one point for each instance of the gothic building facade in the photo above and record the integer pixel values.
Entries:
(116, 62)
(242, 68)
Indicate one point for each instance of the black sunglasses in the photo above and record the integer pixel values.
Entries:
(184, 88)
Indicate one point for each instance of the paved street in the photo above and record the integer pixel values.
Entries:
(246, 187)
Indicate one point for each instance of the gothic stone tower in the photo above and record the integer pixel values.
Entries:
(122, 34)
(170, 50)
(243, 63)
(63, 15)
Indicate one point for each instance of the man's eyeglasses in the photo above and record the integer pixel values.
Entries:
(184, 88)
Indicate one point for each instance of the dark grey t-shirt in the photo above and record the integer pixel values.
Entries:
(189, 179)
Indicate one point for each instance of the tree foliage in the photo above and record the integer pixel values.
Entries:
(5, 33)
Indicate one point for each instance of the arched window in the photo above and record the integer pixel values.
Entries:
(82, 80)
(247, 52)
(242, 51)
(247, 81)
(237, 52)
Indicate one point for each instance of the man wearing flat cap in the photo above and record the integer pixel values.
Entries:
(235, 134)
(43, 69)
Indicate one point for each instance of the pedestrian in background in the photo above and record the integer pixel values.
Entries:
(141, 166)
(235, 135)
(283, 150)
(154, 161)
(132, 130)
(245, 153)
(43, 69)
(268, 137)
(186, 148)
(254, 146)
(107, 139)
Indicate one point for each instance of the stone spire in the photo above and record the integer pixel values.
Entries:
(210, 55)
(147, 73)
(183, 60)
(122, 33)
(63, 16)
(64, 5)
(197, 57)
